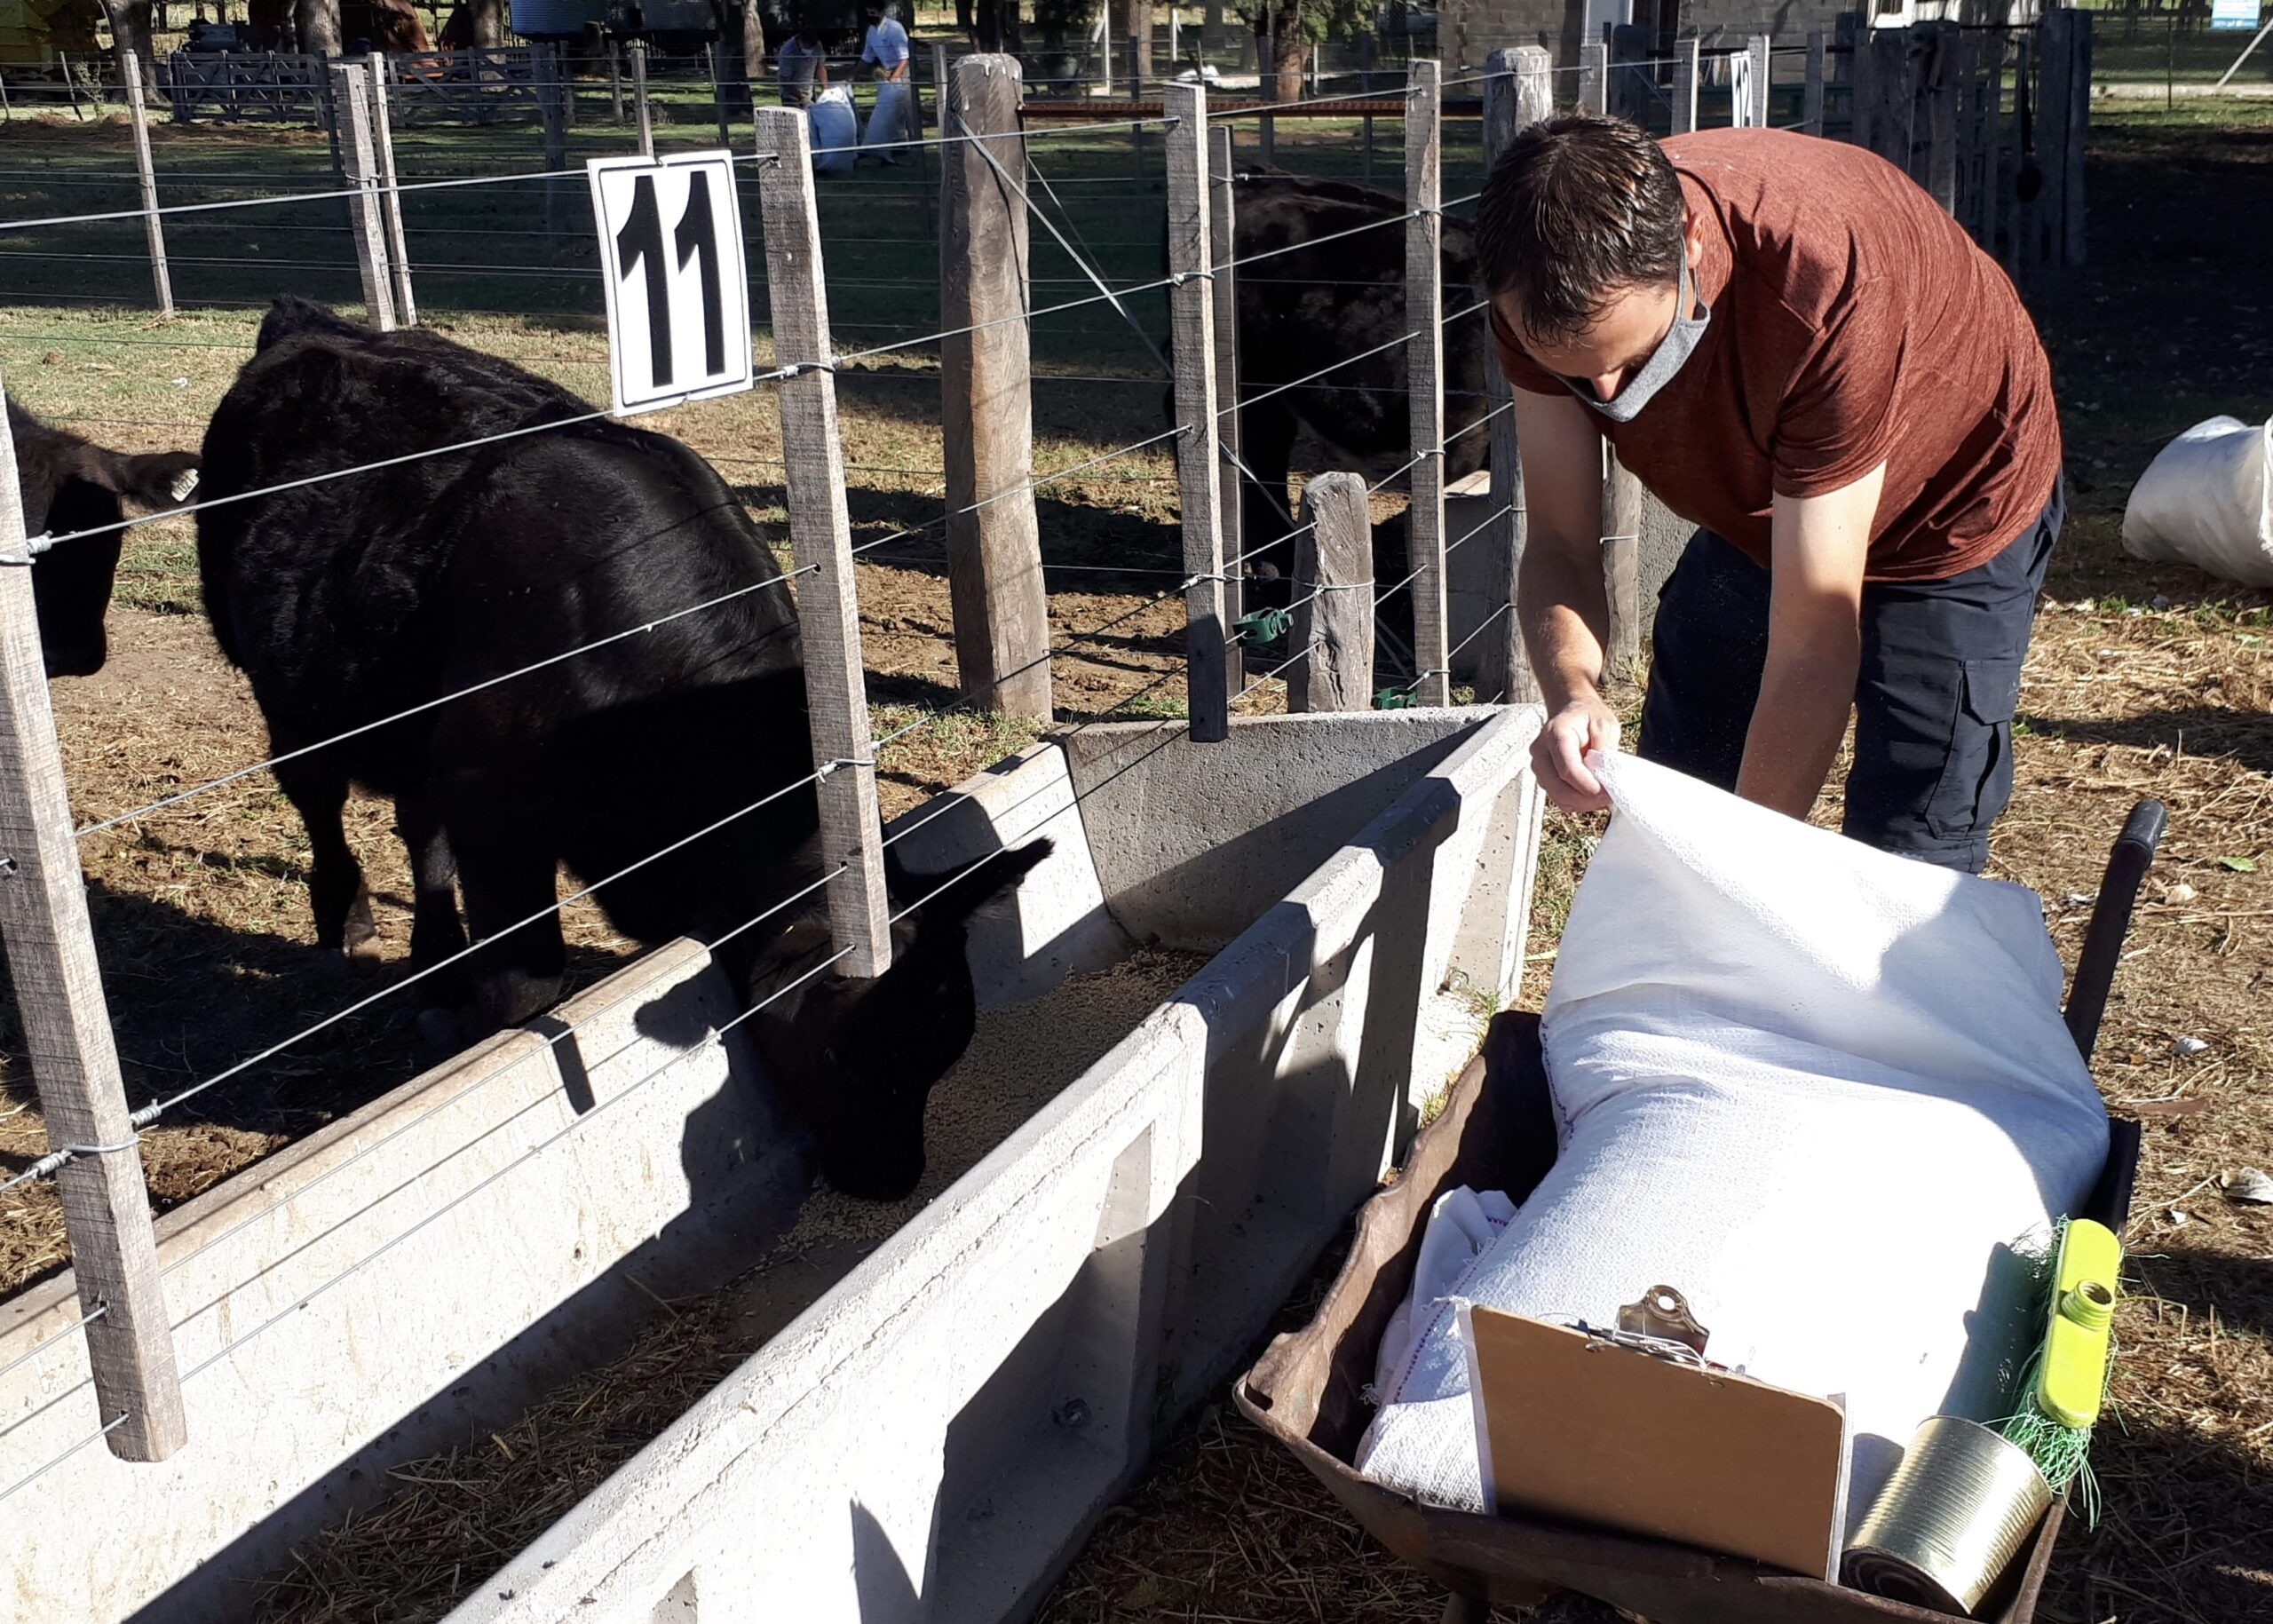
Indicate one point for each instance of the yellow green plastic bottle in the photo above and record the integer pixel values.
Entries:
(2072, 1377)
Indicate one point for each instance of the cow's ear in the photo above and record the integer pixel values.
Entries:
(163, 480)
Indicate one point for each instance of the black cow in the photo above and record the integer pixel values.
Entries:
(1324, 301)
(676, 752)
(70, 485)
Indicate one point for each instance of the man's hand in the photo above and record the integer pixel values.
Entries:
(1559, 756)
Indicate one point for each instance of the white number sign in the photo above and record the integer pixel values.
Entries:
(677, 284)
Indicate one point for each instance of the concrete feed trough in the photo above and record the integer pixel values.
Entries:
(935, 1435)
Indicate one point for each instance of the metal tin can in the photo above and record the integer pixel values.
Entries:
(1950, 1520)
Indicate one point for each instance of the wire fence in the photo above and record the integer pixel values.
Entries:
(1125, 298)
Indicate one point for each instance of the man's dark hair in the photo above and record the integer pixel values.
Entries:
(1578, 209)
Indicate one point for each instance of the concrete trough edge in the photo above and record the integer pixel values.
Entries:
(814, 1482)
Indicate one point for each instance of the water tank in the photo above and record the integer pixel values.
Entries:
(556, 18)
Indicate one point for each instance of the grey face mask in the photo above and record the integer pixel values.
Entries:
(1680, 341)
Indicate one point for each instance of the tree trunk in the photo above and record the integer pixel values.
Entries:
(1292, 55)
(736, 31)
(492, 21)
(319, 26)
(1140, 32)
(971, 27)
(130, 30)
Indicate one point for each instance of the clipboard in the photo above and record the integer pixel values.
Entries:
(1574, 1426)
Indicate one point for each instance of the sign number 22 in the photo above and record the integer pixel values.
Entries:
(677, 296)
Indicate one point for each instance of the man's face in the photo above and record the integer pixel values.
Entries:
(1626, 333)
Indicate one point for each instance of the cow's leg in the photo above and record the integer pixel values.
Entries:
(508, 876)
(341, 902)
(435, 930)
(1266, 441)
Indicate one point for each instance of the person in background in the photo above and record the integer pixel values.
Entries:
(886, 47)
(1791, 345)
(802, 63)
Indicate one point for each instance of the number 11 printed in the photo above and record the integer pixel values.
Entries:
(677, 301)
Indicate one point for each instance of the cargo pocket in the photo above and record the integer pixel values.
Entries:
(1977, 775)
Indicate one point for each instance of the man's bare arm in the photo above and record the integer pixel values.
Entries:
(1815, 642)
(1559, 593)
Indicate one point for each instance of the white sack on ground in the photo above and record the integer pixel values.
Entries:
(1814, 1088)
(833, 129)
(889, 120)
(2208, 500)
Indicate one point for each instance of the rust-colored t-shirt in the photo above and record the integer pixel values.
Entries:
(1853, 323)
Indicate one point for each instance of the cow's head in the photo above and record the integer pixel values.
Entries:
(859, 1057)
(69, 486)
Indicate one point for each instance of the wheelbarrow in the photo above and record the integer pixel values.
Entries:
(1497, 1131)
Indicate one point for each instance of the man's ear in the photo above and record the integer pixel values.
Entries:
(1692, 236)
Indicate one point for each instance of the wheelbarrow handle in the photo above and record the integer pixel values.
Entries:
(2111, 922)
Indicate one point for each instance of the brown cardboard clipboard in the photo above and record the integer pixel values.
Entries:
(1577, 1427)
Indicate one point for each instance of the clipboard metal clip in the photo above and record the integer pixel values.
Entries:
(1662, 1315)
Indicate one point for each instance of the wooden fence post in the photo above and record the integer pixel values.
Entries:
(2056, 63)
(1812, 102)
(1684, 83)
(639, 97)
(1944, 87)
(615, 81)
(1594, 77)
(1761, 50)
(1424, 372)
(1224, 303)
(545, 59)
(131, 71)
(719, 91)
(1001, 613)
(2076, 113)
(66, 1030)
(820, 538)
(1511, 104)
(350, 93)
(1198, 450)
(406, 307)
(1633, 75)
(1993, 141)
(1333, 596)
(1621, 562)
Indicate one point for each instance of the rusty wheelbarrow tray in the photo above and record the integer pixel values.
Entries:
(1498, 1131)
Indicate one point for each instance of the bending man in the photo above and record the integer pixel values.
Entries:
(1797, 351)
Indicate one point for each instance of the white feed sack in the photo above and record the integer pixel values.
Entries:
(890, 120)
(1816, 1088)
(834, 129)
(2208, 500)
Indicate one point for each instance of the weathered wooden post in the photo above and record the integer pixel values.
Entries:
(1524, 97)
(1943, 85)
(1333, 634)
(153, 229)
(1811, 100)
(406, 307)
(639, 97)
(1621, 562)
(615, 81)
(545, 61)
(350, 93)
(820, 537)
(1001, 613)
(1424, 363)
(2075, 113)
(1760, 51)
(67, 1031)
(1594, 77)
(1223, 310)
(1684, 83)
(1198, 451)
